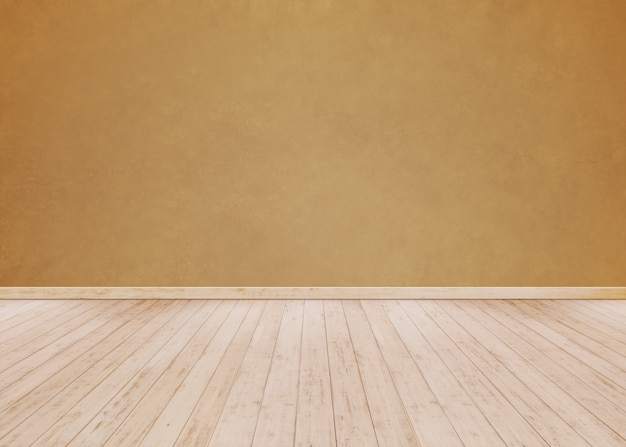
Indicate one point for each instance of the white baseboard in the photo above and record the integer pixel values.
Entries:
(312, 293)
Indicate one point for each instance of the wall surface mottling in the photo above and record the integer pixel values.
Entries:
(312, 143)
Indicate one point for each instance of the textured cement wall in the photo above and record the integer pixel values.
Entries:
(346, 143)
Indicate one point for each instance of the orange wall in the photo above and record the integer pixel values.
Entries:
(275, 142)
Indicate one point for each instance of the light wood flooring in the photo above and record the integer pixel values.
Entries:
(312, 373)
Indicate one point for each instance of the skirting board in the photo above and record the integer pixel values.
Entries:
(381, 293)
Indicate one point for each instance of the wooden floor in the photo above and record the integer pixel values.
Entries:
(312, 373)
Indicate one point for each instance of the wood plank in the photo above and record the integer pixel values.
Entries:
(139, 421)
(569, 410)
(58, 340)
(604, 367)
(608, 316)
(129, 356)
(33, 334)
(203, 419)
(543, 418)
(13, 308)
(9, 305)
(468, 421)
(15, 413)
(140, 402)
(586, 324)
(593, 316)
(238, 419)
(617, 309)
(276, 422)
(315, 424)
(353, 421)
(9, 320)
(167, 427)
(391, 423)
(576, 366)
(512, 427)
(603, 350)
(430, 422)
(308, 373)
(581, 390)
(111, 320)
(132, 375)
(310, 293)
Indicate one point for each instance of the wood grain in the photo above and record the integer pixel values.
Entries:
(276, 373)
